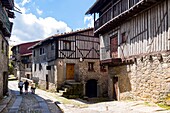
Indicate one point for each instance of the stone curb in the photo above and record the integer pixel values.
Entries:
(5, 101)
(61, 107)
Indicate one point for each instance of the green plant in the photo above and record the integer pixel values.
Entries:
(162, 105)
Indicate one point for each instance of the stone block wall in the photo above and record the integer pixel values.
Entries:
(147, 79)
(97, 74)
(3, 65)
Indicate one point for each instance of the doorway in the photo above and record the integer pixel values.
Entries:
(91, 88)
(70, 71)
(5, 83)
(115, 88)
(47, 82)
(28, 76)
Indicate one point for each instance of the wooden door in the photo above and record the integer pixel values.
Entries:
(114, 47)
(70, 71)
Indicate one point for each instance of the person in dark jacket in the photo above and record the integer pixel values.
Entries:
(26, 84)
(20, 86)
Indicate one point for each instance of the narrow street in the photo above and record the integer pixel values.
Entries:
(30, 103)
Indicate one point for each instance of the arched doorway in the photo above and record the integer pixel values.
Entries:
(91, 88)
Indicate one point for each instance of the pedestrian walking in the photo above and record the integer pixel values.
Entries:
(20, 86)
(33, 88)
(26, 84)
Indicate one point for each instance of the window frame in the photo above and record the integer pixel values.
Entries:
(66, 45)
(90, 66)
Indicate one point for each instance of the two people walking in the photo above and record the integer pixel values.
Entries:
(26, 85)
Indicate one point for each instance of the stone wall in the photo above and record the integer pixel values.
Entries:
(3, 65)
(147, 79)
(101, 77)
(42, 85)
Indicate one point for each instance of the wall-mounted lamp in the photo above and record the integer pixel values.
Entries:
(81, 60)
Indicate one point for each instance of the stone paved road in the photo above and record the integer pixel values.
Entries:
(29, 103)
(35, 104)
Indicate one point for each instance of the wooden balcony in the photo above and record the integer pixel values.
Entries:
(119, 12)
(26, 61)
(5, 24)
(108, 55)
(9, 4)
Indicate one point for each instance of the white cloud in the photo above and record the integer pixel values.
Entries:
(39, 11)
(25, 2)
(28, 27)
(89, 21)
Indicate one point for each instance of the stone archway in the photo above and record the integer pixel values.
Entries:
(91, 88)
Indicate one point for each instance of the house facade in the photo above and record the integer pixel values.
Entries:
(5, 32)
(134, 44)
(22, 60)
(70, 60)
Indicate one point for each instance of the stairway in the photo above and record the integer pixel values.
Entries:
(71, 89)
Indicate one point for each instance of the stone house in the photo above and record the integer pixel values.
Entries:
(5, 32)
(22, 60)
(70, 61)
(134, 44)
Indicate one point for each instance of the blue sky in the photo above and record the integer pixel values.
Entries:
(43, 18)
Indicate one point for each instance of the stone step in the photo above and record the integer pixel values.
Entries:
(61, 92)
(71, 82)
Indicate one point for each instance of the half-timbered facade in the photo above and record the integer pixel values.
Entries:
(134, 44)
(5, 33)
(71, 57)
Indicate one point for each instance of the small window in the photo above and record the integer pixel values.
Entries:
(42, 51)
(66, 45)
(91, 66)
(26, 65)
(35, 67)
(124, 38)
(34, 53)
(102, 68)
(2, 47)
(52, 46)
(6, 50)
(40, 67)
(48, 68)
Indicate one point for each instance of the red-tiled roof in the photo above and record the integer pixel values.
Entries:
(23, 48)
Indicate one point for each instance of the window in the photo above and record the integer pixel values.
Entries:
(40, 67)
(48, 67)
(102, 68)
(6, 50)
(26, 65)
(34, 53)
(124, 38)
(66, 45)
(91, 66)
(52, 46)
(35, 67)
(42, 51)
(2, 47)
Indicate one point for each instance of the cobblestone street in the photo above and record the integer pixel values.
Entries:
(29, 103)
(46, 102)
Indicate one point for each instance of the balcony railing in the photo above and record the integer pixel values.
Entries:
(105, 53)
(4, 22)
(115, 10)
(108, 52)
(26, 61)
